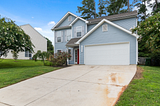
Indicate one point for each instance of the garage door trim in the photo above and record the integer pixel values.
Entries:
(105, 44)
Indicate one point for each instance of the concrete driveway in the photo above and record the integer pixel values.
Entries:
(78, 85)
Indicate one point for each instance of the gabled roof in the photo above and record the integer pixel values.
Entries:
(22, 26)
(109, 22)
(114, 17)
(65, 16)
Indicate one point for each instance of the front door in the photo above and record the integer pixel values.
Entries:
(76, 56)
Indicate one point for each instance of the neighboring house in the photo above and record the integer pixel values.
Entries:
(102, 41)
(37, 39)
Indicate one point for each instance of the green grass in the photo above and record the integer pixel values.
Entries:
(12, 72)
(143, 92)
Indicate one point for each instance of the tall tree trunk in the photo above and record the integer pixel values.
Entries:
(94, 9)
(128, 6)
(156, 4)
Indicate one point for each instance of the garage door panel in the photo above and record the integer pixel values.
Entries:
(115, 54)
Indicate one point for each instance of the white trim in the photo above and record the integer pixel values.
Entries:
(73, 22)
(65, 17)
(81, 31)
(109, 22)
(106, 44)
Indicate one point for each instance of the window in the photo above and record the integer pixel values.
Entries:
(79, 31)
(28, 54)
(68, 35)
(70, 18)
(104, 28)
(58, 34)
(69, 52)
(58, 51)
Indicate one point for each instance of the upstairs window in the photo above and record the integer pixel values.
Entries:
(79, 31)
(105, 28)
(58, 34)
(68, 36)
(70, 18)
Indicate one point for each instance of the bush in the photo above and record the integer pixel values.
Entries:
(60, 59)
(48, 63)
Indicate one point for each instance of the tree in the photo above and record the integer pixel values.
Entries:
(15, 55)
(142, 5)
(88, 9)
(101, 7)
(13, 38)
(50, 47)
(115, 6)
(149, 31)
(41, 56)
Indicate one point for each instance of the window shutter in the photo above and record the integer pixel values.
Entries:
(71, 54)
(66, 35)
(82, 30)
(75, 35)
(55, 36)
(61, 36)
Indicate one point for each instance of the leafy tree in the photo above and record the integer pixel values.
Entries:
(101, 7)
(116, 6)
(149, 31)
(88, 9)
(13, 38)
(41, 56)
(50, 47)
(15, 55)
(142, 5)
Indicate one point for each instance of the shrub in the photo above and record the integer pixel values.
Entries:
(60, 59)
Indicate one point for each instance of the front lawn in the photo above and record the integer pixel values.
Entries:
(144, 91)
(12, 72)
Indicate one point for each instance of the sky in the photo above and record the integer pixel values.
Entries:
(40, 14)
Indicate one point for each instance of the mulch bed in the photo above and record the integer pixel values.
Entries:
(138, 74)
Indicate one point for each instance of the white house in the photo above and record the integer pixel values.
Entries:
(37, 39)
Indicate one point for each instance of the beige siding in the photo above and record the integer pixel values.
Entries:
(37, 39)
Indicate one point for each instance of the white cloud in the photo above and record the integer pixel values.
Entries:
(38, 29)
(32, 17)
(51, 23)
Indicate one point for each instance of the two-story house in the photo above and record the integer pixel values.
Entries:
(102, 41)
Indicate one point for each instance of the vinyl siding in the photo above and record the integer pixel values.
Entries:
(37, 39)
(66, 22)
(78, 23)
(62, 45)
(125, 23)
(113, 35)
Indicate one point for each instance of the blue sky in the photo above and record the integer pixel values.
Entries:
(41, 14)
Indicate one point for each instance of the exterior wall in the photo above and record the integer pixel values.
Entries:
(66, 22)
(79, 23)
(113, 35)
(37, 39)
(62, 45)
(125, 23)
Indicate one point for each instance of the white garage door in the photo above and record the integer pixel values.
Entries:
(110, 54)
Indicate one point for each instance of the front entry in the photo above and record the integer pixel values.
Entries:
(76, 56)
